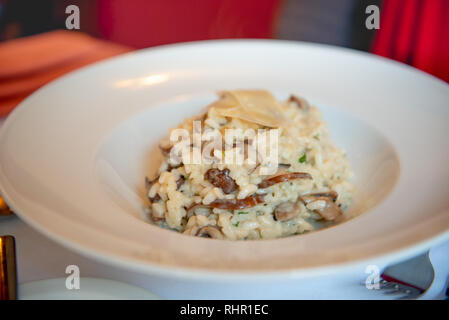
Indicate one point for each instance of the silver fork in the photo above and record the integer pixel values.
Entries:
(408, 279)
(402, 291)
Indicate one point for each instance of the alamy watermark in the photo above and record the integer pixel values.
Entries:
(373, 20)
(73, 20)
(372, 282)
(72, 282)
(236, 146)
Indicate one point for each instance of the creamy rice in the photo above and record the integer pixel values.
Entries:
(310, 185)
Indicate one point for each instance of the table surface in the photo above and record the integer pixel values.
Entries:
(40, 258)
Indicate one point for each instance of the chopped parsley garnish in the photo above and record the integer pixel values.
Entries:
(236, 224)
(303, 158)
(243, 212)
(317, 136)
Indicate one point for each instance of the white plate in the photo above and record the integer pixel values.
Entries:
(89, 289)
(74, 154)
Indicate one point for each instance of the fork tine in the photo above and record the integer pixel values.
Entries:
(396, 290)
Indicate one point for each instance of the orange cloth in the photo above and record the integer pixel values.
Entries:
(28, 63)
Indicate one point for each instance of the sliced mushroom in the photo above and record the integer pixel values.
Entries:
(221, 179)
(316, 205)
(180, 182)
(209, 232)
(237, 204)
(287, 211)
(330, 194)
(283, 177)
(300, 102)
(148, 184)
(173, 166)
(330, 210)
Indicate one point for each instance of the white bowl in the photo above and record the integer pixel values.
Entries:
(73, 156)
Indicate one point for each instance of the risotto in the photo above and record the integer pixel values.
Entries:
(250, 167)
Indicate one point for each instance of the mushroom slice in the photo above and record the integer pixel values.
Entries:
(237, 204)
(286, 211)
(173, 166)
(300, 102)
(209, 232)
(221, 179)
(283, 177)
(330, 194)
(329, 212)
(180, 182)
